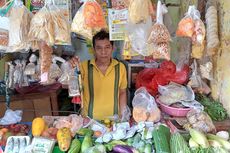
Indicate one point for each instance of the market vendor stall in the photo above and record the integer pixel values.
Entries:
(170, 108)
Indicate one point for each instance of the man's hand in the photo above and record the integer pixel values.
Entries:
(74, 61)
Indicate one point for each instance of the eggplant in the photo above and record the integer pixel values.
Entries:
(124, 149)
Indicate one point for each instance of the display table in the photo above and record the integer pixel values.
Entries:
(34, 104)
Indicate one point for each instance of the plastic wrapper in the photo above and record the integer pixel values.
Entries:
(73, 85)
(19, 19)
(197, 51)
(138, 35)
(159, 36)
(145, 107)
(10, 79)
(139, 11)
(161, 51)
(50, 25)
(4, 39)
(41, 27)
(11, 117)
(174, 93)
(30, 68)
(212, 30)
(66, 69)
(93, 14)
(120, 4)
(187, 25)
(78, 25)
(62, 33)
(206, 69)
(199, 32)
(88, 19)
(54, 72)
(196, 82)
(201, 121)
(46, 60)
(159, 32)
(126, 113)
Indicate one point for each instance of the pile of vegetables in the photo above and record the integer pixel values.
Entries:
(214, 108)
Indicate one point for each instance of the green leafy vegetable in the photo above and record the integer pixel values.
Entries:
(214, 108)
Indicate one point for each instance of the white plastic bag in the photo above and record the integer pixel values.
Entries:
(31, 67)
(11, 117)
(19, 20)
(66, 70)
(145, 107)
(138, 35)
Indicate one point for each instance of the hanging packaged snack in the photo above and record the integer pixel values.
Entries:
(186, 26)
(159, 36)
(66, 69)
(139, 11)
(199, 31)
(19, 19)
(161, 51)
(55, 72)
(50, 25)
(93, 14)
(4, 39)
(138, 35)
(192, 26)
(62, 33)
(4, 26)
(212, 30)
(73, 84)
(120, 4)
(88, 19)
(41, 27)
(46, 60)
(78, 25)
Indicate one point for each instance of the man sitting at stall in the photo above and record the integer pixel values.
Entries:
(104, 81)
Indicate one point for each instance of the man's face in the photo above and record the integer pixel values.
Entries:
(103, 50)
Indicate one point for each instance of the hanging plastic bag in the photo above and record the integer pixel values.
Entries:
(88, 19)
(159, 32)
(46, 60)
(41, 27)
(78, 25)
(4, 25)
(139, 11)
(93, 14)
(145, 107)
(31, 67)
(186, 26)
(66, 69)
(196, 82)
(138, 36)
(199, 31)
(4, 39)
(73, 85)
(159, 36)
(19, 19)
(197, 50)
(54, 72)
(62, 34)
(10, 79)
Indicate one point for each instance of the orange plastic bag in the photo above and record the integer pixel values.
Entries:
(186, 27)
(93, 14)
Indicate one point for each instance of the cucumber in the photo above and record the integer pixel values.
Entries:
(178, 144)
(161, 137)
(75, 146)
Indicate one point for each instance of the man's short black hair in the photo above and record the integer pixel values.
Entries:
(101, 35)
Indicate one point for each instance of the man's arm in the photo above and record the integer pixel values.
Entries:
(122, 100)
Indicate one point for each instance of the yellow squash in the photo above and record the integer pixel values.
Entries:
(38, 126)
(64, 138)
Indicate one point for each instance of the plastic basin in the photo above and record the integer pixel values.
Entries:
(173, 111)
